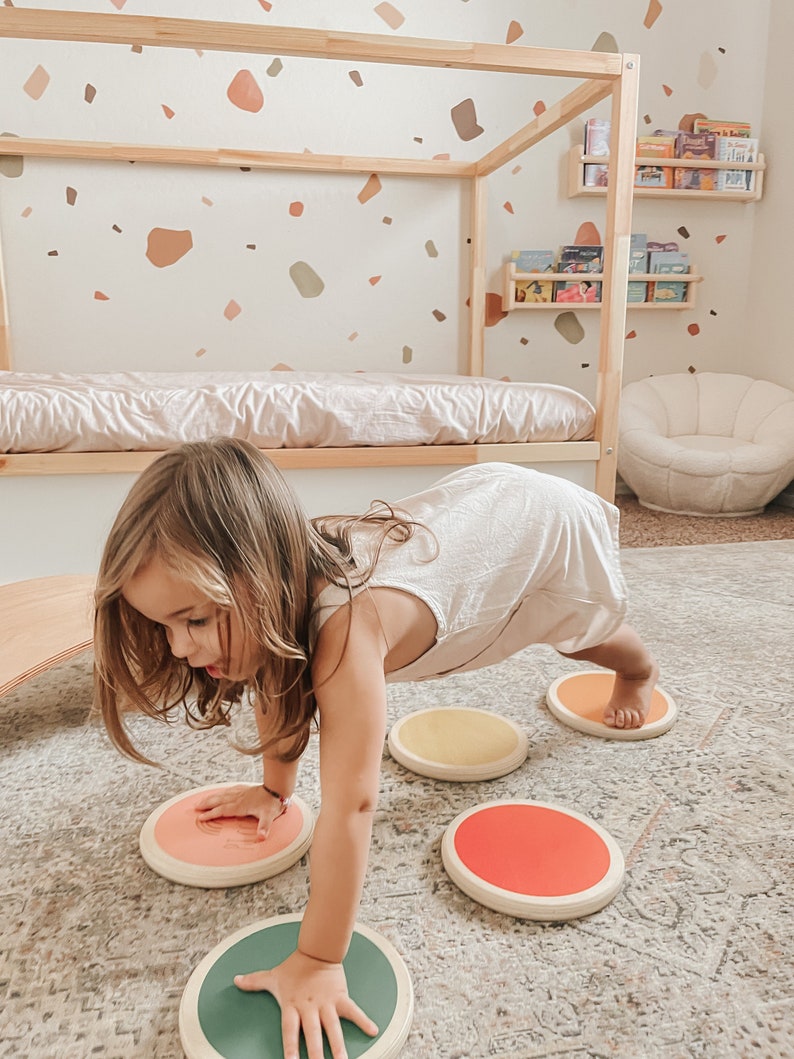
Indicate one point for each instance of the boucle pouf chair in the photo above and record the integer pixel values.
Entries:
(706, 444)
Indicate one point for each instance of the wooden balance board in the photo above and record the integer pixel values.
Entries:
(458, 743)
(578, 700)
(46, 621)
(532, 860)
(222, 852)
(219, 1021)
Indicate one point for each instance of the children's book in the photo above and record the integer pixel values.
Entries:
(723, 128)
(669, 263)
(579, 259)
(534, 290)
(736, 149)
(654, 176)
(596, 142)
(637, 290)
(692, 145)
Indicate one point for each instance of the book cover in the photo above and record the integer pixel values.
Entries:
(596, 142)
(579, 259)
(692, 145)
(723, 128)
(637, 290)
(589, 252)
(534, 290)
(668, 263)
(654, 176)
(736, 149)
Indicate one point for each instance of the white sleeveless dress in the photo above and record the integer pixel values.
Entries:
(520, 558)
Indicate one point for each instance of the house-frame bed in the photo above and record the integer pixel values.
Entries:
(601, 75)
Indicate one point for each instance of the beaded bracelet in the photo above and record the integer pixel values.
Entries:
(282, 801)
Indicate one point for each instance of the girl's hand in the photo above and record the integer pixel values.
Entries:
(313, 997)
(241, 800)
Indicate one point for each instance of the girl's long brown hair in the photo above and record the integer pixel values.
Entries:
(218, 514)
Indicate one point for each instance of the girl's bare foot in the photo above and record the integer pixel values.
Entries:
(630, 702)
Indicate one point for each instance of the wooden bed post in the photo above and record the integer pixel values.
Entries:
(5, 329)
(616, 268)
(477, 291)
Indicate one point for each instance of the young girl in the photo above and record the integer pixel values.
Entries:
(213, 582)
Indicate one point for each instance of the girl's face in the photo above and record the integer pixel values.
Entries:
(191, 622)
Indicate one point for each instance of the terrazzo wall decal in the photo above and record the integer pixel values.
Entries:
(167, 111)
(687, 122)
(683, 232)
(275, 68)
(296, 209)
(281, 366)
(89, 93)
(430, 248)
(390, 15)
(514, 31)
(71, 196)
(118, 4)
(245, 93)
(306, 280)
(567, 324)
(232, 309)
(587, 235)
(370, 189)
(464, 118)
(36, 84)
(707, 70)
(494, 313)
(667, 90)
(720, 238)
(539, 108)
(355, 77)
(165, 246)
(653, 12)
(200, 352)
(631, 334)
(693, 329)
(606, 42)
(265, 5)
(100, 296)
(11, 165)
(374, 280)
(509, 207)
(441, 317)
(408, 354)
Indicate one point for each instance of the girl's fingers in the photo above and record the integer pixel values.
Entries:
(256, 982)
(290, 1033)
(312, 1035)
(349, 1010)
(333, 1031)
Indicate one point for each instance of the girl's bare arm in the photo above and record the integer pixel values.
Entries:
(310, 985)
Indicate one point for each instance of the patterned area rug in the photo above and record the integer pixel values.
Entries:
(640, 527)
(693, 957)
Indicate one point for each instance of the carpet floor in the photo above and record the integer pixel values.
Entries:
(692, 957)
(640, 527)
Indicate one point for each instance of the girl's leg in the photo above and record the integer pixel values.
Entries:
(636, 673)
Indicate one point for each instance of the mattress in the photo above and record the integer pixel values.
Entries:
(131, 411)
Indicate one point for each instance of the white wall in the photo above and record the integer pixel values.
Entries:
(769, 349)
(83, 295)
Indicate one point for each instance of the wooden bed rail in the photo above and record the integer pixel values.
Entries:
(602, 75)
(43, 463)
(256, 39)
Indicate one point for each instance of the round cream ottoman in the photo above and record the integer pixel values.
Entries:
(706, 444)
